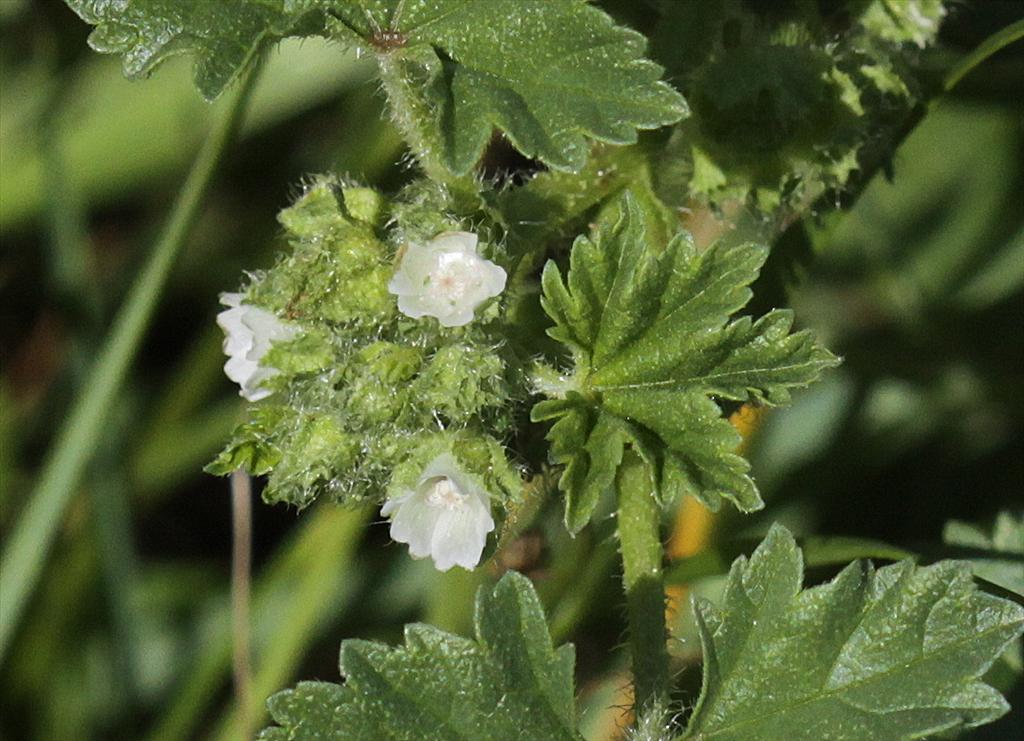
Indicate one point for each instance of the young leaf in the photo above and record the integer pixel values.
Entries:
(654, 348)
(509, 683)
(548, 73)
(889, 654)
(223, 36)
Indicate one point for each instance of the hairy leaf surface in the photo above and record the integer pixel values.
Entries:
(222, 35)
(893, 653)
(548, 73)
(509, 683)
(655, 352)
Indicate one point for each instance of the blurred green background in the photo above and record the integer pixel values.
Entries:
(920, 287)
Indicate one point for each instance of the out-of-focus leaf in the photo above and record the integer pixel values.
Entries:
(1005, 537)
(997, 278)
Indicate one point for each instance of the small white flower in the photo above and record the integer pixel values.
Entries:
(447, 516)
(445, 278)
(249, 331)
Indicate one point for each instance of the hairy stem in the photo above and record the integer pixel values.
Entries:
(415, 121)
(640, 540)
(411, 117)
(79, 436)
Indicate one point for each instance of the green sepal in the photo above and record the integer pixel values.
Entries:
(338, 268)
(252, 447)
(480, 457)
(322, 454)
(310, 352)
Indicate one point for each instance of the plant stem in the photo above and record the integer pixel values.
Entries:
(640, 541)
(414, 120)
(292, 614)
(77, 440)
(409, 115)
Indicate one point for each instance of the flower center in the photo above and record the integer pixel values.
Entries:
(453, 276)
(444, 493)
(449, 282)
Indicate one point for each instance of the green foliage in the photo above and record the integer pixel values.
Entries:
(509, 683)
(789, 99)
(654, 344)
(224, 36)
(338, 269)
(365, 397)
(914, 21)
(250, 448)
(654, 348)
(548, 73)
(1002, 558)
(893, 653)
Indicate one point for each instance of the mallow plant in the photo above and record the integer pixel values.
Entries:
(479, 342)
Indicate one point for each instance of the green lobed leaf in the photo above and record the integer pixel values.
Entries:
(223, 36)
(548, 73)
(893, 653)
(508, 683)
(655, 351)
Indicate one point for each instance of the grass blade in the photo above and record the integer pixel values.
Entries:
(27, 548)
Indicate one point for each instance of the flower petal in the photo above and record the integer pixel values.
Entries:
(230, 299)
(465, 242)
(460, 536)
(446, 279)
(415, 524)
(249, 332)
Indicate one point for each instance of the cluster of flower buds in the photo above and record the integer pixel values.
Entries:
(447, 514)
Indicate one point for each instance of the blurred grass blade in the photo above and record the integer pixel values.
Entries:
(994, 43)
(124, 137)
(67, 235)
(108, 491)
(26, 549)
(78, 295)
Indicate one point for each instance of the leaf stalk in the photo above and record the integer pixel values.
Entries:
(639, 517)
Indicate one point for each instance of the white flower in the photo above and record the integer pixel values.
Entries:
(447, 516)
(248, 331)
(445, 278)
